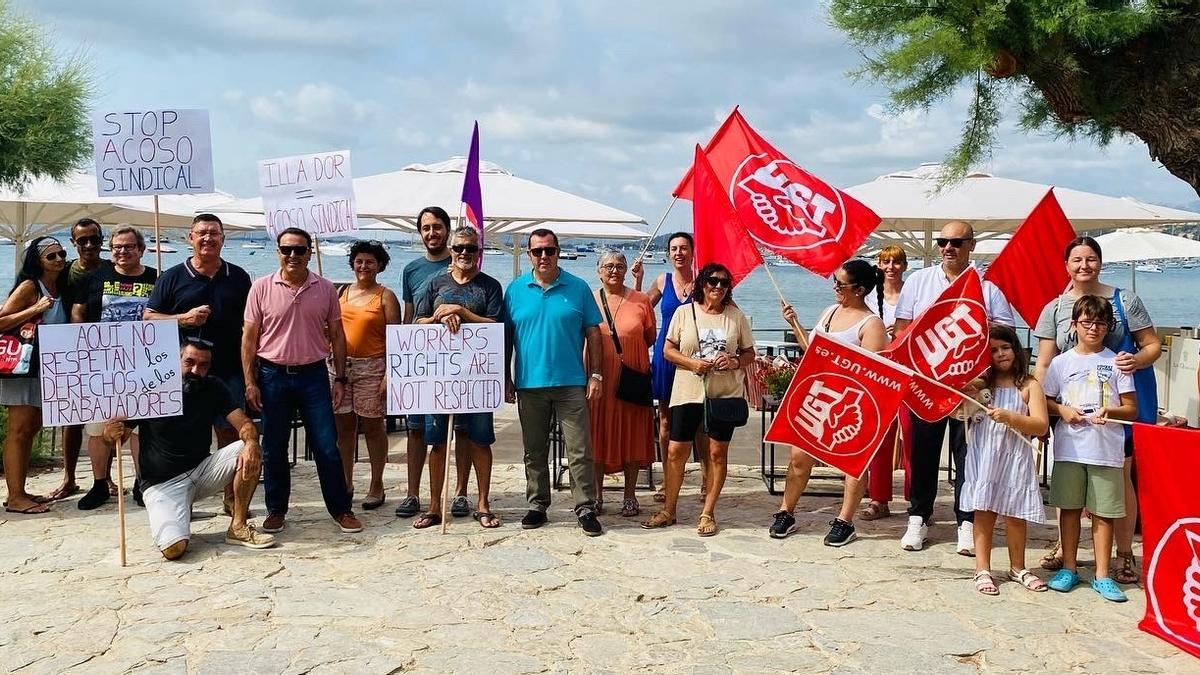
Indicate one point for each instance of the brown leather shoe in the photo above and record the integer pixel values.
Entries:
(273, 523)
(348, 523)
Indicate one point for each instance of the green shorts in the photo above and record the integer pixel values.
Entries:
(1101, 489)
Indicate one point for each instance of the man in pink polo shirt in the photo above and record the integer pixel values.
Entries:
(292, 317)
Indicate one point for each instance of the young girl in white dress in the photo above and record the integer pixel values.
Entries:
(1000, 478)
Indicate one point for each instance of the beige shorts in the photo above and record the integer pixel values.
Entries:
(363, 395)
(97, 429)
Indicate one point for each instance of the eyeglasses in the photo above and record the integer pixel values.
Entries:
(614, 267)
(90, 241)
(124, 247)
(1091, 325)
(465, 248)
(207, 233)
(544, 252)
(718, 282)
(956, 242)
(293, 250)
(56, 255)
(837, 285)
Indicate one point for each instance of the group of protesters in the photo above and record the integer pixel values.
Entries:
(597, 362)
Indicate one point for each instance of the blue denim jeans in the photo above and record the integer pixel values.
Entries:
(307, 392)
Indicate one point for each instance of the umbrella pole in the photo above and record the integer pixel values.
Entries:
(1133, 276)
(157, 248)
(317, 245)
(657, 228)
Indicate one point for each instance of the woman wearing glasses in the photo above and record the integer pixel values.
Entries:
(1137, 347)
(367, 308)
(34, 299)
(849, 320)
(622, 432)
(710, 343)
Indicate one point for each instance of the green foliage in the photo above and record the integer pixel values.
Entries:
(44, 128)
(925, 50)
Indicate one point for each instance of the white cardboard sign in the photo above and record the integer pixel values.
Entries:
(94, 372)
(152, 152)
(431, 370)
(312, 192)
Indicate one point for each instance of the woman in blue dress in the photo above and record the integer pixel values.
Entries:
(673, 289)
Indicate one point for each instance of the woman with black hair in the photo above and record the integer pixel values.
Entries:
(710, 343)
(849, 320)
(34, 299)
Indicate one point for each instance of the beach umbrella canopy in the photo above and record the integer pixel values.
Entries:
(1139, 243)
(912, 208)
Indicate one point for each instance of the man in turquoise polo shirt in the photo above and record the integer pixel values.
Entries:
(549, 313)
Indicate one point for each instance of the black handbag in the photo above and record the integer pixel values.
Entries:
(633, 386)
(732, 411)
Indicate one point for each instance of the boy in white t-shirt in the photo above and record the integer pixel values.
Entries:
(1086, 389)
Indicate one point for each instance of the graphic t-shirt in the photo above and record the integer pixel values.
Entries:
(482, 295)
(112, 296)
(704, 337)
(1088, 382)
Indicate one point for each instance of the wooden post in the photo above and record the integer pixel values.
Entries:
(121, 495)
(450, 441)
(157, 252)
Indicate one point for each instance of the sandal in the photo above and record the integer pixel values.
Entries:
(63, 491)
(660, 519)
(874, 511)
(707, 526)
(1127, 571)
(1027, 579)
(428, 519)
(985, 584)
(487, 519)
(630, 508)
(373, 502)
(1053, 561)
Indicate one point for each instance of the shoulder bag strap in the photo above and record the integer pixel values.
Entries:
(612, 326)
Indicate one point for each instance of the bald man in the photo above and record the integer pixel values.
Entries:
(955, 243)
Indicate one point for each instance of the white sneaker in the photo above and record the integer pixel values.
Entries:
(966, 539)
(914, 536)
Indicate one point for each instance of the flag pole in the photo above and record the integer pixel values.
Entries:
(121, 494)
(157, 250)
(450, 443)
(657, 228)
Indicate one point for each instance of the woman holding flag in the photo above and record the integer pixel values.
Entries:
(851, 321)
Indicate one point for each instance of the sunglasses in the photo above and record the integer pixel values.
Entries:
(544, 252)
(718, 282)
(90, 241)
(56, 255)
(837, 285)
(956, 242)
(293, 250)
(465, 248)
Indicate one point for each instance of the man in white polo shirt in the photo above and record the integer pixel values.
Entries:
(955, 243)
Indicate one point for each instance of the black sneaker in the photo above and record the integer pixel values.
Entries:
(840, 533)
(784, 525)
(95, 497)
(533, 519)
(137, 493)
(590, 524)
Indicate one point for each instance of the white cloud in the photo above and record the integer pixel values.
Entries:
(638, 192)
(318, 106)
(523, 123)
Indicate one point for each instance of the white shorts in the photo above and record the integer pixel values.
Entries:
(169, 504)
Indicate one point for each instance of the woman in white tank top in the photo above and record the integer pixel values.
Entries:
(849, 321)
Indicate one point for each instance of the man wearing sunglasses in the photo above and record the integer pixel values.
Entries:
(87, 236)
(292, 317)
(955, 243)
(206, 295)
(549, 314)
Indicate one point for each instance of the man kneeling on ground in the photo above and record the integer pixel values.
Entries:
(176, 467)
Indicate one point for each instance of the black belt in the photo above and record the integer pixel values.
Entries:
(291, 370)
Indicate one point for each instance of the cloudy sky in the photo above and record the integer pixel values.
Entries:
(602, 98)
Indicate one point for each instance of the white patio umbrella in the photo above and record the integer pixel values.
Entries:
(909, 206)
(1138, 244)
(511, 205)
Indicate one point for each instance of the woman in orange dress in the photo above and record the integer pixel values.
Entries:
(622, 432)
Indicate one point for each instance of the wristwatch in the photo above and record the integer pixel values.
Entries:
(597, 377)
(342, 380)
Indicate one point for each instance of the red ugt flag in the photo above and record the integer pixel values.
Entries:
(840, 404)
(1170, 508)
(720, 235)
(1029, 270)
(785, 208)
(947, 346)
(472, 192)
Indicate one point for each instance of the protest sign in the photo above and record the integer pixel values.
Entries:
(152, 152)
(93, 372)
(313, 192)
(431, 370)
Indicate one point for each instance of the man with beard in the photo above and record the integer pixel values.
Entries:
(433, 223)
(207, 296)
(176, 467)
(955, 241)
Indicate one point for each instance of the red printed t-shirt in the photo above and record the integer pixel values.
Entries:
(292, 322)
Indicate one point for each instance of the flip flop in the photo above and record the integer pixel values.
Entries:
(60, 493)
(489, 516)
(372, 503)
(427, 520)
(32, 510)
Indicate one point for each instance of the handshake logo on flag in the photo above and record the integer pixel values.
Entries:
(781, 196)
(831, 415)
(949, 347)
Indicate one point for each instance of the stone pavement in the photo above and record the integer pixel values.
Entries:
(549, 600)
